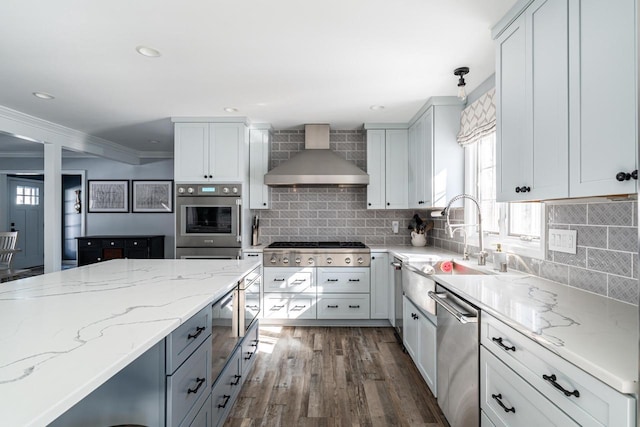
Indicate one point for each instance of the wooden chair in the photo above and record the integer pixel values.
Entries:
(7, 249)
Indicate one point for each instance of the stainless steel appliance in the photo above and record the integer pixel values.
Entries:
(224, 331)
(208, 216)
(397, 297)
(249, 300)
(457, 358)
(317, 254)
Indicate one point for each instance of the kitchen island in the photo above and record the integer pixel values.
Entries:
(66, 333)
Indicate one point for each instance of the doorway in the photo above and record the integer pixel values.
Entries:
(26, 216)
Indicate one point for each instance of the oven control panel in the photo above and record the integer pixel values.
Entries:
(190, 190)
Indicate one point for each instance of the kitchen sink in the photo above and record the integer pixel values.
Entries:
(459, 269)
(439, 268)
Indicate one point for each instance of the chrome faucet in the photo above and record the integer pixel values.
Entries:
(482, 255)
(465, 251)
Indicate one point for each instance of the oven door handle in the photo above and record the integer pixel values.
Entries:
(238, 220)
(440, 298)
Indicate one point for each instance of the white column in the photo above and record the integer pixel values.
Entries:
(52, 207)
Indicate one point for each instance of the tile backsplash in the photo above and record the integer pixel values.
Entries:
(606, 261)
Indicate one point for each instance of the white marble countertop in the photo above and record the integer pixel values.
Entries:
(64, 334)
(595, 333)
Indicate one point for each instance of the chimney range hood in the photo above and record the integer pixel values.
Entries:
(316, 165)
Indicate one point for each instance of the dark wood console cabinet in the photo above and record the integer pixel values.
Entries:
(93, 249)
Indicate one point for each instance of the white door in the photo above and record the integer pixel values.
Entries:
(26, 216)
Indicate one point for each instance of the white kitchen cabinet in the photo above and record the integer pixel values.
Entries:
(419, 336)
(532, 145)
(436, 160)
(583, 398)
(387, 157)
(603, 56)
(380, 285)
(565, 126)
(206, 152)
(259, 158)
(343, 306)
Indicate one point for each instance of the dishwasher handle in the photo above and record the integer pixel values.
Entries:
(441, 298)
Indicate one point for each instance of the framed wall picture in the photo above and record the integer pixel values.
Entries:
(108, 196)
(152, 196)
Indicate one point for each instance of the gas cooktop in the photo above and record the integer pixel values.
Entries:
(319, 245)
(317, 254)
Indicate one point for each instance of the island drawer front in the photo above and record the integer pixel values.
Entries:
(289, 306)
(200, 415)
(343, 279)
(113, 243)
(250, 348)
(343, 306)
(226, 389)
(90, 243)
(485, 421)
(136, 243)
(289, 279)
(598, 403)
(523, 405)
(190, 382)
(186, 338)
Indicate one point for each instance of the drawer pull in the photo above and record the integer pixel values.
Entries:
(199, 381)
(277, 307)
(354, 280)
(298, 307)
(354, 306)
(226, 400)
(253, 307)
(237, 377)
(278, 280)
(498, 398)
(504, 346)
(332, 306)
(250, 355)
(332, 280)
(255, 343)
(299, 280)
(552, 379)
(199, 330)
(252, 255)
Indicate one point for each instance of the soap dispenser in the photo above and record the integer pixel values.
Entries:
(499, 259)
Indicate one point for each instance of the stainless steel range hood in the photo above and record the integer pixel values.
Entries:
(316, 165)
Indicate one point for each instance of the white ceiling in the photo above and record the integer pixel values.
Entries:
(284, 62)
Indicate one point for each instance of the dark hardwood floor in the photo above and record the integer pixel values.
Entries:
(318, 376)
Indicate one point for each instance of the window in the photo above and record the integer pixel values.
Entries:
(27, 195)
(517, 226)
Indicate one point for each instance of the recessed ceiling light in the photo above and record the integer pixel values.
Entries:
(230, 109)
(148, 51)
(376, 107)
(43, 95)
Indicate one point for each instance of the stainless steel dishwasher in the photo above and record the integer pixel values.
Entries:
(457, 358)
(397, 297)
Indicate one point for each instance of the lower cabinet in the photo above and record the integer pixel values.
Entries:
(289, 306)
(419, 338)
(380, 285)
(524, 375)
(226, 389)
(343, 306)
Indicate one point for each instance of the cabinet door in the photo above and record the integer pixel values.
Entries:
(409, 327)
(259, 148)
(227, 151)
(603, 96)
(445, 157)
(426, 358)
(376, 169)
(413, 163)
(548, 98)
(191, 157)
(397, 176)
(514, 150)
(380, 285)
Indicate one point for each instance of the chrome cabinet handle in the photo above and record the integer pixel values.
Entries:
(239, 221)
(440, 298)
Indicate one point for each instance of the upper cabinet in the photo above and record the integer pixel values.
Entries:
(565, 100)
(259, 157)
(436, 160)
(387, 156)
(206, 152)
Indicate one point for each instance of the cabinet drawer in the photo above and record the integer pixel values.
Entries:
(485, 421)
(249, 348)
(199, 416)
(190, 382)
(89, 243)
(343, 280)
(113, 243)
(226, 389)
(289, 306)
(186, 338)
(343, 306)
(290, 279)
(597, 404)
(508, 400)
(136, 243)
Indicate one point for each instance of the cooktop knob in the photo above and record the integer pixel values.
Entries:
(360, 260)
(329, 260)
(180, 190)
(190, 190)
(298, 260)
(273, 260)
(235, 190)
(285, 260)
(225, 190)
(310, 261)
(347, 260)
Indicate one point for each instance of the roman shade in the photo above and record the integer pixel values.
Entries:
(478, 119)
